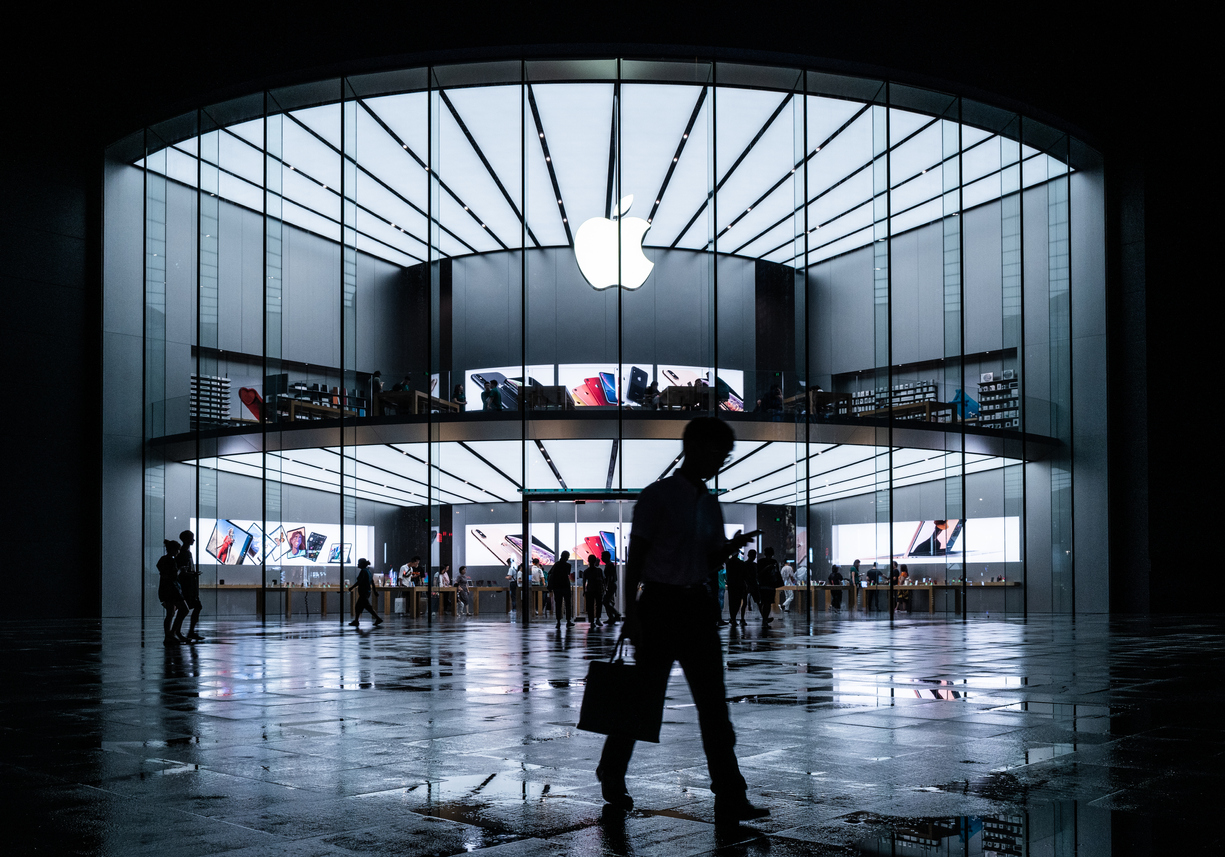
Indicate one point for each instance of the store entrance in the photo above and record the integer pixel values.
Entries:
(583, 527)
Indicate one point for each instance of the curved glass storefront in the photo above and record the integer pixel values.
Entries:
(414, 312)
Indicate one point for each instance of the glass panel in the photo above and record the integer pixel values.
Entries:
(608, 237)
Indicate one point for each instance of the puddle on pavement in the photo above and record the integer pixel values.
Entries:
(490, 801)
(1000, 835)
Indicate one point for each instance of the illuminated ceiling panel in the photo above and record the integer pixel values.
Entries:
(481, 167)
(481, 471)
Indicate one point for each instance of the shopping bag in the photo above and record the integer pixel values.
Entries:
(399, 605)
(614, 702)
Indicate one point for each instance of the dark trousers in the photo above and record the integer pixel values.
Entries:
(363, 603)
(595, 602)
(836, 598)
(562, 597)
(610, 603)
(191, 595)
(873, 599)
(737, 600)
(679, 625)
(765, 600)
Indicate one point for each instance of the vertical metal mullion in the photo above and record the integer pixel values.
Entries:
(961, 363)
(525, 562)
(199, 313)
(617, 384)
(429, 337)
(263, 493)
(1021, 382)
(144, 369)
(340, 613)
(807, 367)
(1067, 178)
(714, 230)
(888, 321)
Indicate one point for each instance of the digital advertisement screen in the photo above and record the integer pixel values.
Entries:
(234, 541)
(493, 544)
(590, 384)
(228, 543)
(594, 538)
(976, 540)
(510, 380)
(729, 383)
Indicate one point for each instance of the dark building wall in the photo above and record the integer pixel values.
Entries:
(50, 446)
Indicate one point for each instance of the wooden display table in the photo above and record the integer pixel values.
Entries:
(687, 398)
(957, 587)
(415, 402)
(415, 593)
(544, 398)
(822, 403)
(297, 406)
(925, 409)
(260, 591)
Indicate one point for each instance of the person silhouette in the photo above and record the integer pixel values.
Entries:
(364, 584)
(189, 583)
(610, 588)
(593, 588)
(677, 544)
(170, 594)
(559, 586)
(768, 580)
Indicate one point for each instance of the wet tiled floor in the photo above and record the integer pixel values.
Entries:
(923, 736)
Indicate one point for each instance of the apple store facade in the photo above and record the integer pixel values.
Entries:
(452, 311)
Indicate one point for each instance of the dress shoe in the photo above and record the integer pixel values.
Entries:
(569, 624)
(614, 791)
(353, 624)
(378, 622)
(737, 809)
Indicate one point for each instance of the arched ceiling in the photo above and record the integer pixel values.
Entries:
(744, 171)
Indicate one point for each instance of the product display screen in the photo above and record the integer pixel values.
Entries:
(605, 384)
(976, 540)
(728, 385)
(233, 542)
(510, 380)
(493, 544)
(228, 543)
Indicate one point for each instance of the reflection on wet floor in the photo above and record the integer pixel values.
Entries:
(986, 835)
(862, 737)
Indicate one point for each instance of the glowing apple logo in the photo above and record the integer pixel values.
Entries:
(596, 246)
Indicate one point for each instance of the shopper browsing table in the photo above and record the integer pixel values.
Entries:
(676, 547)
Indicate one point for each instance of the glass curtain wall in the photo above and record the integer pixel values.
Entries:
(375, 305)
